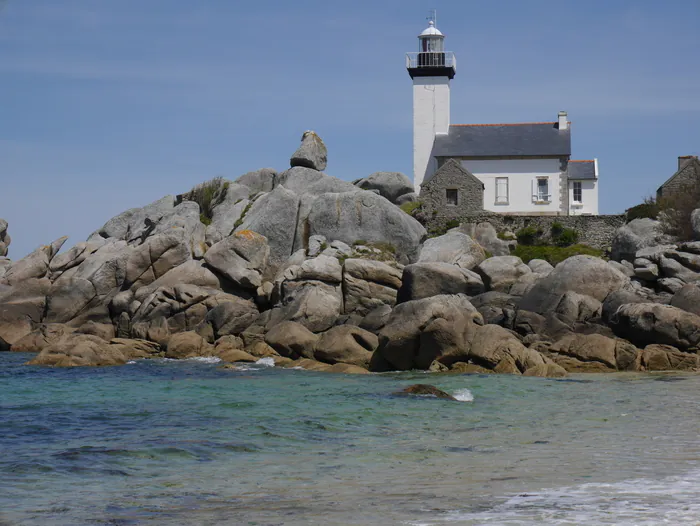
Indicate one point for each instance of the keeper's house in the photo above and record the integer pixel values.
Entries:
(524, 168)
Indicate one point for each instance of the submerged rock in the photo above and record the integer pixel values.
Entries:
(426, 390)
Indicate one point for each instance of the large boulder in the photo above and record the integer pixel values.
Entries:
(124, 225)
(192, 272)
(310, 182)
(314, 304)
(83, 350)
(274, 215)
(695, 223)
(582, 274)
(34, 265)
(613, 353)
(292, 340)
(391, 185)
(636, 235)
(312, 153)
(188, 345)
(369, 284)
(499, 273)
(232, 317)
(667, 358)
(688, 299)
(361, 215)
(493, 346)
(346, 344)
(455, 248)
(260, 181)
(4, 238)
(22, 307)
(42, 337)
(420, 331)
(485, 234)
(154, 258)
(227, 211)
(241, 257)
(649, 323)
(423, 280)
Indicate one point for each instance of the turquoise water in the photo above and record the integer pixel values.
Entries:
(166, 442)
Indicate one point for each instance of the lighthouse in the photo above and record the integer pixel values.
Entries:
(431, 68)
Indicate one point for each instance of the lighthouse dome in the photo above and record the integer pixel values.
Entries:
(431, 31)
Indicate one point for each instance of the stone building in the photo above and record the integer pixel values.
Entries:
(687, 176)
(452, 192)
(526, 168)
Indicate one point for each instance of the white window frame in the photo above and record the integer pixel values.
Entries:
(580, 190)
(502, 200)
(538, 197)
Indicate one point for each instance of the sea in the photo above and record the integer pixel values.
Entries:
(191, 443)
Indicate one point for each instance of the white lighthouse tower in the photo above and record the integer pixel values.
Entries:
(431, 68)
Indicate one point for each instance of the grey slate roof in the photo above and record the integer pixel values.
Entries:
(453, 166)
(581, 170)
(503, 140)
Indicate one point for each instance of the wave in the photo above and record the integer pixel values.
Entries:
(634, 502)
(463, 395)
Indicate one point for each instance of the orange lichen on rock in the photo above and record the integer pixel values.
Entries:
(248, 234)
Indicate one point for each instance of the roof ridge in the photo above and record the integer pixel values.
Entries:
(507, 124)
(582, 161)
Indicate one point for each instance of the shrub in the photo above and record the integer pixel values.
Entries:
(552, 254)
(207, 195)
(409, 208)
(648, 209)
(239, 221)
(452, 223)
(529, 235)
(568, 237)
(675, 210)
(557, 229)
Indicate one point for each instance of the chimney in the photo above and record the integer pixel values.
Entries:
(683, 158)
(563, 121)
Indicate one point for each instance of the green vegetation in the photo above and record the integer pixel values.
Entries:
(452, 223)
(360, 242)
(553, 254)
(562, 236)
(409, 208)
(673, 211)
(239, 221)
(529, 235)
(506, 236)
(207, 195)
(648, 209)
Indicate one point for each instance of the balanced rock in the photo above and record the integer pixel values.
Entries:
(312, 153)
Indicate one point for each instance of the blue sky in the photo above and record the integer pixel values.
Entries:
(109, 104)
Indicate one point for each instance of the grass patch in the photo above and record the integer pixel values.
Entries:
(409, 208)
(529, 235)
(207, 195)
(239, 221)
(553, 254)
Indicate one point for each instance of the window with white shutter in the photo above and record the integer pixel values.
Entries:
(501, 190)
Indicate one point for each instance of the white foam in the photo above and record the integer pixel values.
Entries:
(267, 362)
(636, 502)
(204, 359)
(463, 395)
(131, 362)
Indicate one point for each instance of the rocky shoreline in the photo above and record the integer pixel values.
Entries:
(319, 273)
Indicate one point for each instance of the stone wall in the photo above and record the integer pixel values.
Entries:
(595, 231)
(452, 176)
(686, 179)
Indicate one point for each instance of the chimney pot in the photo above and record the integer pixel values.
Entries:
(563, 121)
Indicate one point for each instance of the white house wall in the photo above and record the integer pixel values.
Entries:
(431, 116)
(520, 173)
(589, 198)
